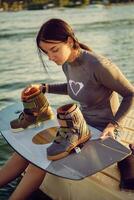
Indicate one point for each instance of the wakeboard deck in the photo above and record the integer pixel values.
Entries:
(95, 155)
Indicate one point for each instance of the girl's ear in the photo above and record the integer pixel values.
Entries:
(70, 41)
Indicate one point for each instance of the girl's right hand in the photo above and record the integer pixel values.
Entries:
(108, 131)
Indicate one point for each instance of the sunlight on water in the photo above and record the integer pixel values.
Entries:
(108, 31)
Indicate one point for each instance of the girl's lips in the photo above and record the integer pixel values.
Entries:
(57, 62)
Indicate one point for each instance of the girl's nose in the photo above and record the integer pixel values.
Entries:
(51, 57)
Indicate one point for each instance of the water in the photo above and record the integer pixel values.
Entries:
(107, 30)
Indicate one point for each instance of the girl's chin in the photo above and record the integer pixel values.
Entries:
(59, 63)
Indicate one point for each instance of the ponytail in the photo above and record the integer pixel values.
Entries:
(78, 44)
(85, 47)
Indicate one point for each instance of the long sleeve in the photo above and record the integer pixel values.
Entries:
(95, 82)
(112, 78)
(58, 88)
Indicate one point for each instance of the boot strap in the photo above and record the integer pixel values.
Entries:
(29, 105)
(66, 123)
(64, 132)
(36, 103)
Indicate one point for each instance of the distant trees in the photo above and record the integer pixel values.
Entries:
(57, 2)
(24, 4)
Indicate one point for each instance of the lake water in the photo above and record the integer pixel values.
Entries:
(107, 30)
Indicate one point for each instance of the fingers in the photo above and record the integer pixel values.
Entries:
(108, 132)
(105, 135)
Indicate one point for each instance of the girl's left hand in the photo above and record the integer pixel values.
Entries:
(108, 131)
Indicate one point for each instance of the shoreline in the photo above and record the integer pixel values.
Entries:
(19, 6)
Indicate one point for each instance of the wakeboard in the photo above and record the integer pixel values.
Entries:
(86, 160)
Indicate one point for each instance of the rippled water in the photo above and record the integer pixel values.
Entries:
(107, 30)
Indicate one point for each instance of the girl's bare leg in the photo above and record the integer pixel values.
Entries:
(29, 183)
(12, 169)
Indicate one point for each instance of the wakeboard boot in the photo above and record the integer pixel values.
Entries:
(36, 109)
(72, 132)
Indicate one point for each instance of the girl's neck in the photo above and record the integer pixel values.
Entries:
(74, 54)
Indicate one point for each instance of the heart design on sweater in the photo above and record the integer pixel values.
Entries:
(75, 86)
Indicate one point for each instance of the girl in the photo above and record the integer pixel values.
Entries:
(92, 80)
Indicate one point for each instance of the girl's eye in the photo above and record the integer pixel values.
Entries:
(56, 50)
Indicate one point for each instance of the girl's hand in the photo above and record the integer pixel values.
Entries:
(108, 131)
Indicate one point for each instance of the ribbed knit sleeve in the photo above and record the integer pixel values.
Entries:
(58, 88)
(111, 77)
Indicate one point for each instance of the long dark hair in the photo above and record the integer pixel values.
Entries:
(58, 30)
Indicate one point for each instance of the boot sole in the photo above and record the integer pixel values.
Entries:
(32, 126)
(68, 151)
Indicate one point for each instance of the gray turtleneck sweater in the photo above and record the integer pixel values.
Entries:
(94, 82)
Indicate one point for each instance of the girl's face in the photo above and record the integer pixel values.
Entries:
(57, 51)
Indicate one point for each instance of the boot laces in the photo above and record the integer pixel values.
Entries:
(64, 133)
(21, 116)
